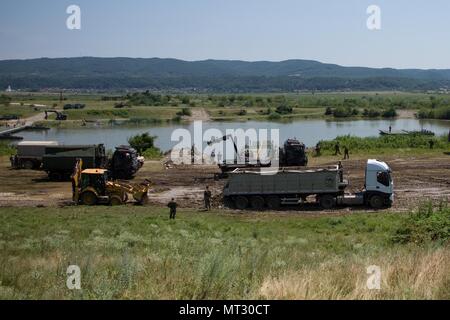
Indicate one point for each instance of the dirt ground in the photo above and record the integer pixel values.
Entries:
(415, 180)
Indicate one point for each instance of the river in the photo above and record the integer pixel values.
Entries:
(308, 131)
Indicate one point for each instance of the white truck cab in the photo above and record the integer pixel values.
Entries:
(379, 186)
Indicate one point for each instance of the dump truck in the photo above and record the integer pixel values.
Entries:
(29, 154)
(271, 188)
(58, 161)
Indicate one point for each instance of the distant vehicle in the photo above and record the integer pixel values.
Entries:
(59, 115)
(74, 106)
(258, 189)
(9, 117)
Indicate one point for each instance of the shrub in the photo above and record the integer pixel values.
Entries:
(284, 109)
(274, 116)
(427, 224)
(6, 149)
(142, 142)
(5, 100)
(152, 153)
(184, 112)
(389, 113)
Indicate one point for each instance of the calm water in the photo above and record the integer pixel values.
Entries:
(308, 131)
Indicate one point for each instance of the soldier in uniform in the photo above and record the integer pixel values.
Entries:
(337, 148)
(173, 208)
(207, 198)
(346, 154)
(431, 143)
(318, 148)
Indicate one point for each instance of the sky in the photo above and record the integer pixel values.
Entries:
(413, 34)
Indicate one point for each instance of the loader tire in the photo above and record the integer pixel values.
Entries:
(115, 200)
(88, 198)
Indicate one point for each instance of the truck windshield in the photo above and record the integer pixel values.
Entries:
(384, 178)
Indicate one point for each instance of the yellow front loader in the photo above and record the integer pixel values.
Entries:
(93, 186)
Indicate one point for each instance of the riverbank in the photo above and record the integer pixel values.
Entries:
(216, 107)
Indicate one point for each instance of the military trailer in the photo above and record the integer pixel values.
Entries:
(59, 161)
(29, 154)
(271, 188)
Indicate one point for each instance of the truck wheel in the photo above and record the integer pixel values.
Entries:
(273, 202)
(115, 201)
(241, 202)
(327, 201)
(376, 201)
(88, 198)
(28, 164)
(228, 202)
(257, 202)
(54, 176)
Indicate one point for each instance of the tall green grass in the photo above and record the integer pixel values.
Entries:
(359, 144)
(137, 252)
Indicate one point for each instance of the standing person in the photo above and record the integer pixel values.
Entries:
(193, 154)
(346, 154)
(390, 129)
(431, 143)
(173, 208)
(318, 149)
(337, 149)
(341, 173)
(207, 198)
(213, 156)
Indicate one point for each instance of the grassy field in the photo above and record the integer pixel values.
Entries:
(137, 252)
(231, 106)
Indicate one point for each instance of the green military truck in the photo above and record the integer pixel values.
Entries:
(59, 161)
(29, 154)
(271, 188)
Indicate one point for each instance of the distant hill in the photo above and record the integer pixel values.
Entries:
(210, 75)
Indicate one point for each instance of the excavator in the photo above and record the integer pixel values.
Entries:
(93, 186)
(59, 115)
(292, 154)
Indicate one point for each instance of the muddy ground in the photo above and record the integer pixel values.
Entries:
(415, 180)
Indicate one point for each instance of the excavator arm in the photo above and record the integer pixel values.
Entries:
(224, 138)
